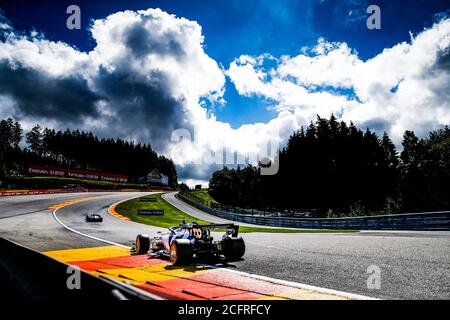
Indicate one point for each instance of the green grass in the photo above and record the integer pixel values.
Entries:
(173, 217)
(204, 195)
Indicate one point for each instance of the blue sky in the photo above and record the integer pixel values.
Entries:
(235, 27)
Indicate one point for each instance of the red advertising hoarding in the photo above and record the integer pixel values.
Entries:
(74, 173)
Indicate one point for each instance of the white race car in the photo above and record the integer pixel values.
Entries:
(188, 240)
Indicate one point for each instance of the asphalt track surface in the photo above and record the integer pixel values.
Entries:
(414, 265)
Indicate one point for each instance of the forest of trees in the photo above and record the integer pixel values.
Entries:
(340, 170)
(75, 149)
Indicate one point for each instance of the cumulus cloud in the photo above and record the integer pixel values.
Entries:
(38, 94)
(148, 73)
(402, 88)
(144, 79)
(147, 68)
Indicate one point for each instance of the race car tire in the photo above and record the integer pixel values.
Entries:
(181, 252)
(233, 247)
(142, 244)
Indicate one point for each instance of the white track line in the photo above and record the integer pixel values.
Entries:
(245, 274)
(293, 284)
(84, 234)
(89, 236)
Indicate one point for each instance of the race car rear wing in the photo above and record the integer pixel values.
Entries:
(232, 228)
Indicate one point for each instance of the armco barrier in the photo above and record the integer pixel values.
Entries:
(33, 192)
(28, 275)
(53, 191)
(409, 221)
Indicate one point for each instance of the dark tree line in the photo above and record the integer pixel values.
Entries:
(78, 150)
(340, 169)
(425, 171)
(11, 133)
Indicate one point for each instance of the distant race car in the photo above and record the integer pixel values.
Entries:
(276, 214)
(93, 217)
(187, 240)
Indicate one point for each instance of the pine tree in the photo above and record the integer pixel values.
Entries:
(6, 133)
(34, 139)
(328, 165)
(390, 153)
(17, 133)
(2, 166)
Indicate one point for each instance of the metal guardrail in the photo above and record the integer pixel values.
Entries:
(55, 191)
(408, 221)
(49, 191)
(214, 205)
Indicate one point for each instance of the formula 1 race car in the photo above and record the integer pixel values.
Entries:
(187, 240)
(93, 217)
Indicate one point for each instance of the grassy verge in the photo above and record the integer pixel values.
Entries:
(172, 216)
(203, 195)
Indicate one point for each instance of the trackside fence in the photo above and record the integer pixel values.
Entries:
(6, 193)
(408, 221)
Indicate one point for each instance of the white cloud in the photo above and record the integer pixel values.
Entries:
(331, 64)
(154, 40)
(402, 88)
(145, 76)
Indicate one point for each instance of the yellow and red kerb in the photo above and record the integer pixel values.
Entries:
(69, 202)
(112, 211)
(182, 283)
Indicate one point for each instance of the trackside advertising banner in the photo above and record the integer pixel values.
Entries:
(73, 173)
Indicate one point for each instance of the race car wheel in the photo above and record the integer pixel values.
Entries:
(181, 252)
(233, 247)
(142, 243)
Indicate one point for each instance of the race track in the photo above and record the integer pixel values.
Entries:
(414, 265)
